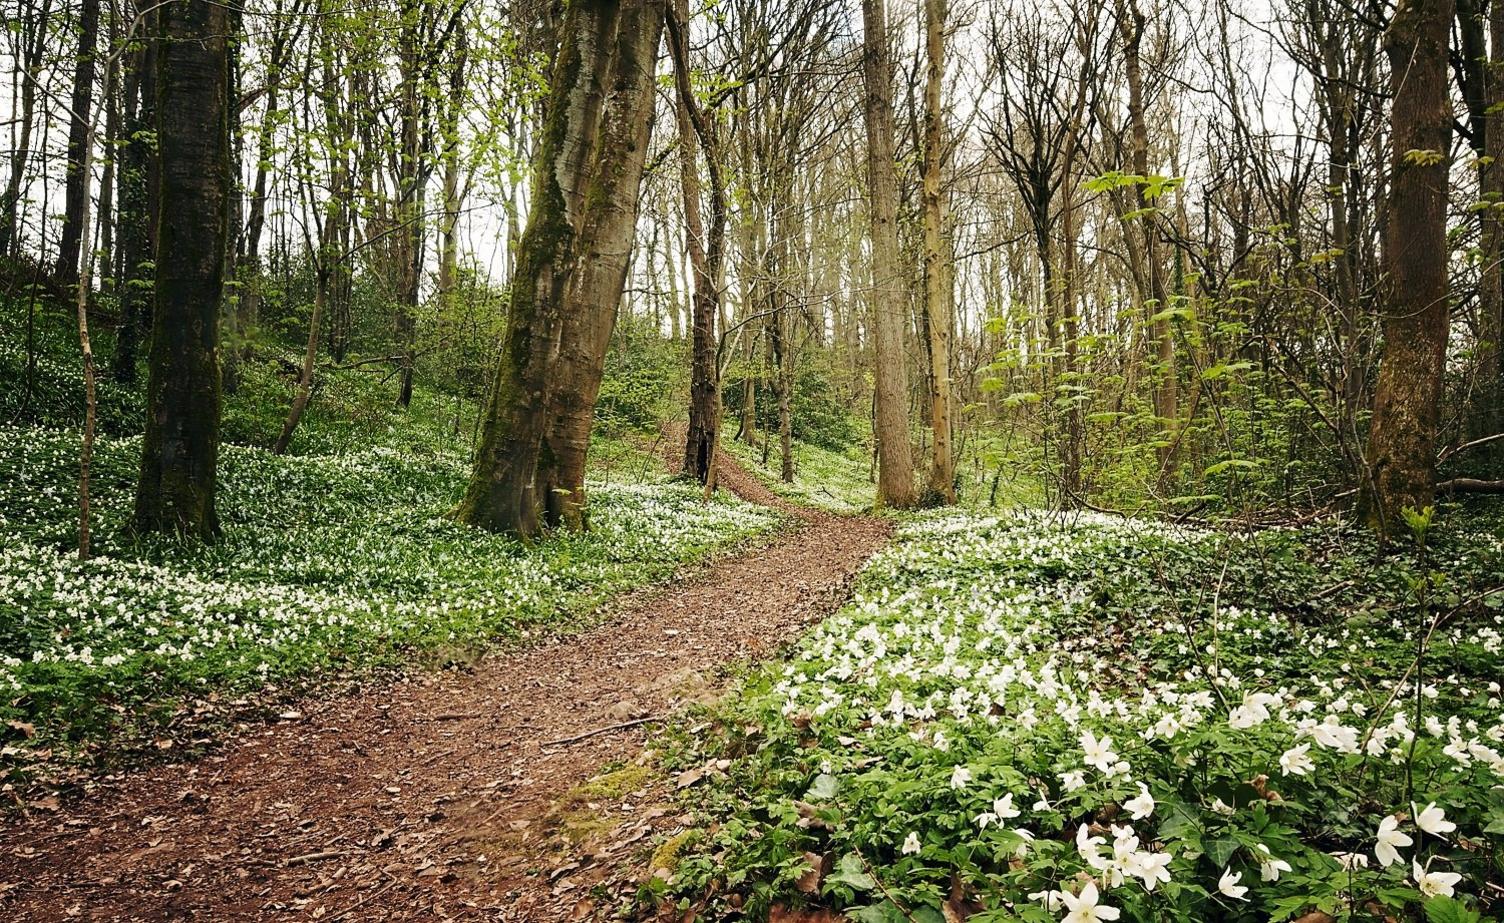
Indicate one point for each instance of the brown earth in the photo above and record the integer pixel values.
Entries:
(519, 790)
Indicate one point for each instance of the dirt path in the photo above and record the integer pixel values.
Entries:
(448, 796)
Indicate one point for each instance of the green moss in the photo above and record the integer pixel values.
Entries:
(666, 856)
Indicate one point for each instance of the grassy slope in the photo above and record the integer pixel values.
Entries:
(828, 480)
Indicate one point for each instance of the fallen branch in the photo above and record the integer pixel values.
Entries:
(1468, 445)
(603, 730)
(1470, 486)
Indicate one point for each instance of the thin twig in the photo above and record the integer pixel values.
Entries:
(603, 730)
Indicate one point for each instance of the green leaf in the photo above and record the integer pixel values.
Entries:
(1221, 850)
(849, 872)
(824, 788)
(1450, 910)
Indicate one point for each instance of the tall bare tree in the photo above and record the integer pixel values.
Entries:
(895, 482)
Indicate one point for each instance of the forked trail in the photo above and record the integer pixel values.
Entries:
(443, 796)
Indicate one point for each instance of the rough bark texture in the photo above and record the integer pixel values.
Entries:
(1401, 469)
(937, 293)
(705, 265)
(76, 185)
(594, 293)
(506, 491)
(895, 481)
(179, 455)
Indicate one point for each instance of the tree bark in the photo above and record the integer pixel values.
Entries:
(136, 214)
(1401, 469)
(76, 184)
(180, 453)
(594, 294)
(937, 291)
(504, 492)
(1488, 418)
(705, 253)
(1166, 399)
(895, 482)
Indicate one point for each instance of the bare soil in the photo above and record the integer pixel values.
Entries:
(516, 790)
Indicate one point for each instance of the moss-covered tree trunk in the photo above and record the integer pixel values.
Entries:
(1401, 463)
(506, 492)
(180, 452)
(592, 297)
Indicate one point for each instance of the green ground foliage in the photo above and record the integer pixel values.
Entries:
(1210, 725)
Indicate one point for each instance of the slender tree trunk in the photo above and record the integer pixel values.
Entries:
(305, 377)
(135, 215)
(1489, 416)
(895, 486)
(180, 453)
(594, 294)
(705, 262)
(34, 42)
(1165, 391)
(504, 491)
(1401, 463)
(105, 222)
(76, 185)
(937, 283)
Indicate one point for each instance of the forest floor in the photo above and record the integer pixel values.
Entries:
(519, 790)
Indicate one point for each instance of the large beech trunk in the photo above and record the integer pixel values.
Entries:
(895, 479)
(578, 175)
(1401, 467)
(592, 297)
(180, 452)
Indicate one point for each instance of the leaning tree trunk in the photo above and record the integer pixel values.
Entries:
(76, 185)
(180, 452)
(594, 293)
(895, 483)
(503, 494)
(1401, 464)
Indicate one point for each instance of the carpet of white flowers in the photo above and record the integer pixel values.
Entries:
(1086, 719)
(328, 564)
